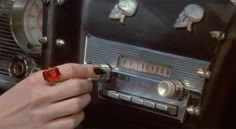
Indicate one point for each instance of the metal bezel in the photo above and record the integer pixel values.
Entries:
(17, 26)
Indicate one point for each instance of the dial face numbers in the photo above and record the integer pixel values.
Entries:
(144, 66)
(33, 18)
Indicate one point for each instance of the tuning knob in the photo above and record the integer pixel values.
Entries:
(171, 89)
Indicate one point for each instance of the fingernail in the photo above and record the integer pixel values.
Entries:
(99, 71)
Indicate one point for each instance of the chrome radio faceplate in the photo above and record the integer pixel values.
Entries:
(138, 73)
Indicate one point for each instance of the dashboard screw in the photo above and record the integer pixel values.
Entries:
(193, 110)
(217, 35)
(43, 40)
(203, 73)
(60, 42)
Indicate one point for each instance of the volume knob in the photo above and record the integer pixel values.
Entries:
(170, 89)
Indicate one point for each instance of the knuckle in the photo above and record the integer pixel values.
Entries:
(73, 122)
(31, 78)
(78, 118)
(77, 85)
(77, 82)
(71, 69)
(90, 85)
(82, 116)
(89, 98)
(79, 103)
(88, 82)
(76, 106)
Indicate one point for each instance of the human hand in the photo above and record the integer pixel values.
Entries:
(32, 104)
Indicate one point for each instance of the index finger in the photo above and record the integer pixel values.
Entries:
(76, 71)
(71, 70)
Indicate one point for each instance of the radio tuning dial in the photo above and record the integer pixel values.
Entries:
(171, 89)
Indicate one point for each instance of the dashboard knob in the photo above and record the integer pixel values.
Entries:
(166, 89)
(21, 66)
(171, 89)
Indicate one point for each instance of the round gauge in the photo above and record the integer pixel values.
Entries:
(33, 19)
(26, 20)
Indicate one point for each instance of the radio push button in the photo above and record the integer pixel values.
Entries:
(172, 110)
(113, 94)
(137, 101)
(149, 104)
(125, 97)
(171, 89)
(161, 107)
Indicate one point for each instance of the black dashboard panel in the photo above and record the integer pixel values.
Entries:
(150, 28)
(152, 25)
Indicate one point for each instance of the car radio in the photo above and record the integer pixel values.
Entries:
(149, 79)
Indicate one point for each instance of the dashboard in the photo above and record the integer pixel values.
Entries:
(162, 62)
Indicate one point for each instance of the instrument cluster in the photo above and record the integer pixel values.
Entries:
(20, 30)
